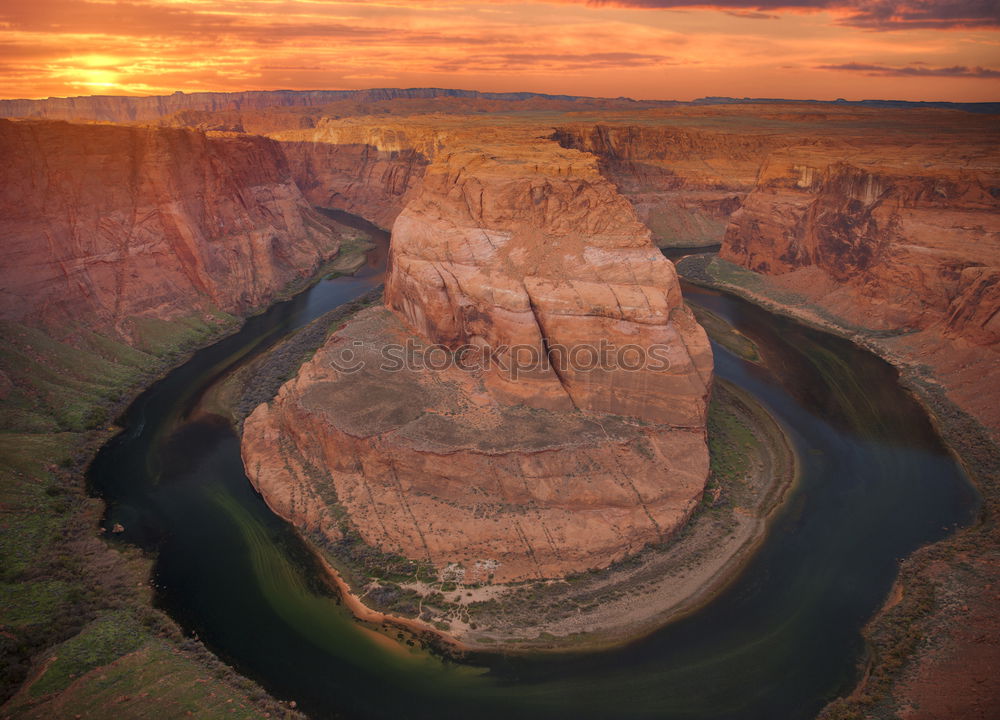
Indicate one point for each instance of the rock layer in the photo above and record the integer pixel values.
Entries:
(684, 182)
(103, 224)
(905, 247)
(549, 262)
(367, 171)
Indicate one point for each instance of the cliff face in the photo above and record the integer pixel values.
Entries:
(509, 253)
(105, 224)
(901, 246)
(537, 250)
(684, 182)
(367, 171)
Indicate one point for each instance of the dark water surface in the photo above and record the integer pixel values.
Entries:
(781, 641)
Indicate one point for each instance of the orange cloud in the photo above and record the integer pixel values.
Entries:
(648, 49)
(873, 14)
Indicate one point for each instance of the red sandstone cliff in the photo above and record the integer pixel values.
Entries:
(367, 170)
(103, 224)
(684, 182)
(912, 246)
(535, 248)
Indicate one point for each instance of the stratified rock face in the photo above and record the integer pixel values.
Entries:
(425, 463)
(908, 244)
(487, 474)
(535, 250)
(103, 223)
(367, 171)
(684, 182)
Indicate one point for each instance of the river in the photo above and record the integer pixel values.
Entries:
(783, 639)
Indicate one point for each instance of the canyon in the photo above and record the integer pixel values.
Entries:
(517, 220)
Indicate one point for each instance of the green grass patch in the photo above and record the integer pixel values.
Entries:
(165, 338)
(101, 642)
(25, 604)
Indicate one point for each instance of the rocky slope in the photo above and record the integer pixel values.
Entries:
(426, 464)
(105, 225)
(483, 472)
(923, 243)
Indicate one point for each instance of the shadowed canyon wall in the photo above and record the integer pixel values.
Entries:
(367, 171)
(912, 243)
(684, 182)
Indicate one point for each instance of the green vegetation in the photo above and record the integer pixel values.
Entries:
(730, 444)
(69, 601)
(60, 395)
(140, 677)
(672, 227)
(99, 643)
(164, 338)
(78, 634)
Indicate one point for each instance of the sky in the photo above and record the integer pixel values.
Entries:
(646, 49)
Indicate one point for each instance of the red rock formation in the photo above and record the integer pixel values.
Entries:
(426, 464)
(537, 250)
(483, 474)
(684, 182)
(906, 247)
(367, 171)
(102, 224)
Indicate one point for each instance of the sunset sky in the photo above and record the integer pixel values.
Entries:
(656, 49)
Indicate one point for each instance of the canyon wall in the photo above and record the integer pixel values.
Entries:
(367, 170)
(903, 246)
(487, 474)
(105, 224)
(902, 243)
(684, 182)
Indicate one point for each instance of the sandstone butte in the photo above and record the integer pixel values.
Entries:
(508, 241)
